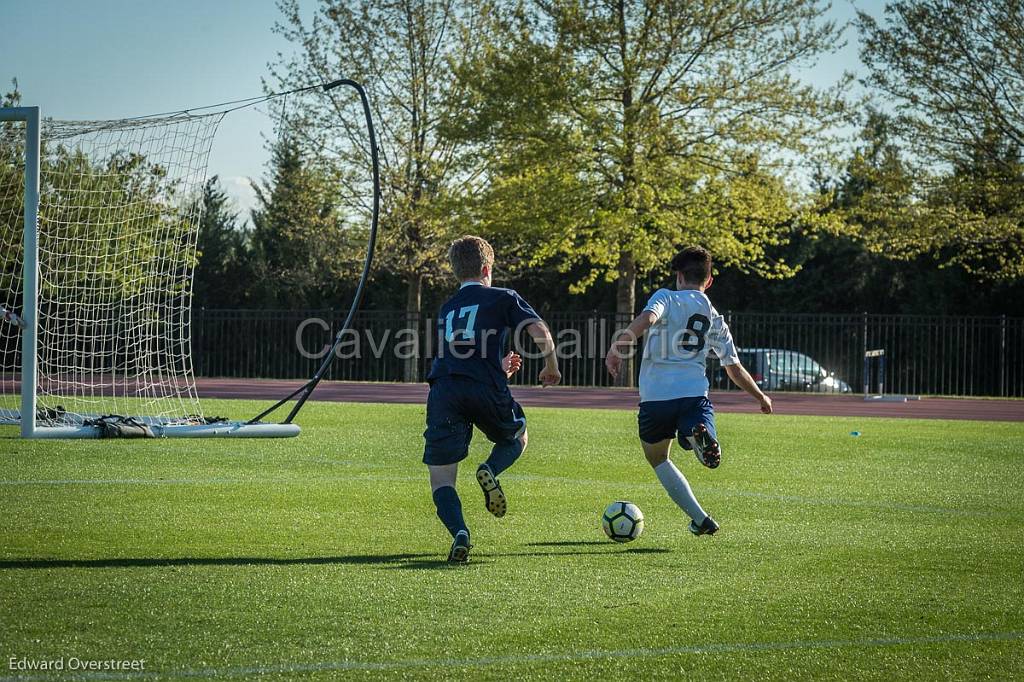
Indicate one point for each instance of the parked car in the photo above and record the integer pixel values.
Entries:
(776, 369)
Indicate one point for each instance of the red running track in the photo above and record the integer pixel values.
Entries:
(617, 398)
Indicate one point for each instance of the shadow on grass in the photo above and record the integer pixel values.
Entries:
(402, 561)
(485, 558)
(357, 559)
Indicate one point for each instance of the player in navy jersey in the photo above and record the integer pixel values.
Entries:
(469, 385)
(682, 329)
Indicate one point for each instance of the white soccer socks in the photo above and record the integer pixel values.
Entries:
(678, 488)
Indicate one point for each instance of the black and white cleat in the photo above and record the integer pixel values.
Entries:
(459, 553)
(494, 496)
(706, 527)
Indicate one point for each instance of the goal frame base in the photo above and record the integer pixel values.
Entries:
(222, 430)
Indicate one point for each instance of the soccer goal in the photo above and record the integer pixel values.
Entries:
(98, 229)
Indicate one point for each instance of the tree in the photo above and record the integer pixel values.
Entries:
(402, 51)
(12, 189)
(975, 213)
(954, 71)
(954, 74)
(622, 130)
(304, 248)
(877, 193)
(223, 275)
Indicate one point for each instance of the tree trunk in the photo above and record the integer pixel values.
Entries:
(625, 305)
(414, 290)
(625, 298)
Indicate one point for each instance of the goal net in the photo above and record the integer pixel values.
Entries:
(118, 207)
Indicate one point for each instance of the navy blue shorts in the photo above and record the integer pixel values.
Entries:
(663, 419)
(455, 405)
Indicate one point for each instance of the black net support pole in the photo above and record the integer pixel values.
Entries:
(304, 391)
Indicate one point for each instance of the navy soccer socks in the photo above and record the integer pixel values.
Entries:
(504, 455)
(449, 509)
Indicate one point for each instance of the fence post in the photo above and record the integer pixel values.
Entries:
(864, 354)
(1002, 355)
(411, 364)
(630, 365)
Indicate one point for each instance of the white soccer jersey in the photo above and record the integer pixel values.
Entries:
(687, 329)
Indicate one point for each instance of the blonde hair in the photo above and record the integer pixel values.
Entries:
(468, 256)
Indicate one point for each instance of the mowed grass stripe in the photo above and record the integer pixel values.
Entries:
(706, 490)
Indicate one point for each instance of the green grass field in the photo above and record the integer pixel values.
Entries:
(896, 554)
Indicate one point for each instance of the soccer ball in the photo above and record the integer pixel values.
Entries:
(623, 521)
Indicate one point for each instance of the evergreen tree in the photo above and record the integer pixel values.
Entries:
(305, 253)
(223, 276)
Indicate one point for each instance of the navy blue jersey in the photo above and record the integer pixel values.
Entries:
(472, 328)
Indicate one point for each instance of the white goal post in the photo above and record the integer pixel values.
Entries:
(98, 230)
(30, 115)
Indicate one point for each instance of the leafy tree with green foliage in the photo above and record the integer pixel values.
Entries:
(403, 52)
(877, 187)
(894, 254)
(954, 73)
(113, 225)
(90, 247)
(621, 130)
(12, 189)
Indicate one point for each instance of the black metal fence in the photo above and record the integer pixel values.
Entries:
(927, 355)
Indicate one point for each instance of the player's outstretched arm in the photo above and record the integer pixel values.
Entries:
(541, 335)
(741, 377)
(625, 339)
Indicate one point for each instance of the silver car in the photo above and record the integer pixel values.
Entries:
(777, 369)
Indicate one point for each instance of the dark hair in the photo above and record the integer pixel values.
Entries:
(468, 256)
(694, 262)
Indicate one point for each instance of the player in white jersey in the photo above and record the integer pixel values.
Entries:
(682, 329)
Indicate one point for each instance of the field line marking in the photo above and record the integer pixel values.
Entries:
(779, 497)
(298, 480)
(122, 481)
(898, 506)
(519, 659)
(776, 497)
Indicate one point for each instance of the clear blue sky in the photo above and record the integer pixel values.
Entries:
(81, 59)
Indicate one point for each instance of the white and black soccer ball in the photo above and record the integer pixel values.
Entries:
(623, 521)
